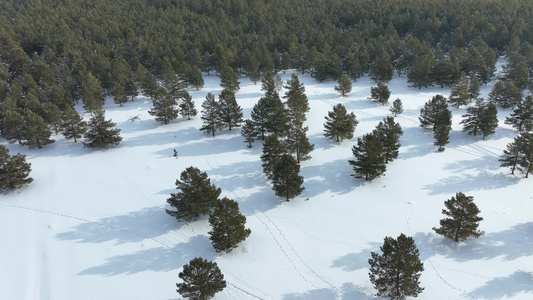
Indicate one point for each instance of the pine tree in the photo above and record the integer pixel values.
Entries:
(286, 181)
(35, 131)
(420, 74)
(345, 85)
(397, 107)
(513, 152)
(340, 124)
(459, 94)
(396, 272)
(462, 218)
(72, 126)
(432, 114)
(522, 116)
(505, 94)
(525, 159)
(489, 120)
(92, 94)
(472, 118)
(297, 143)
(273, 149)
(227, 225)
(147, 81)
(473, 88)
(389, 133)
(100, 132)
(230, 111)
(197, 195)
(296, 101)
(277, 121)
(211, 115)
(14, 170)
(164, 107)
(229, 79)
(369, 162)
(13, 126)
(441, 133)
(259, 115)
(202, 279)
(381, 68)
(380, 93)
(186, 107)
(52, 117)
(248, 132)
(268, 85)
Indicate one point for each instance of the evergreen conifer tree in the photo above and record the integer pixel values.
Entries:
(72, 126)
(186, 107)
(296, 101)
(197, 195)
(397, 107)
(273, 149)
(259, 115)
(459, 94)
(277, 121)
(13, 126)
(472, 118)
(340, 124)
(513, 152)
(462, 218)
(396, 272)
(345, 85)
(489, 120)
(473, 88)
(92, 94)
(435, 112)
(441, 133)
(380, 93)
(35, 131)
(100, 132)
(298, 143)
(230, 111)
(268, 85)
(202, 279)
(248, 132)
(211, 115)
(286, 181)
(14, 170)
(164, 107)
(229, 79)
(369, 162)
(522, 116)
(227, 225)
(525, 159)
(381, 68)
(389, 133)
(505, 94)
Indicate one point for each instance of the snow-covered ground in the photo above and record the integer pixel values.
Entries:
(93, 225)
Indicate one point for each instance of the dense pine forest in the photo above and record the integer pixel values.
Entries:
(55, 53)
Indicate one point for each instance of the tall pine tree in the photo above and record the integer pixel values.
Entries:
(369, 162)
(522, 116)
(211, 115)
(101, 132)
(227, 225)
(14, 170)
(340, 124)
(462, 218)
(164, 107)
(286, 181)
(72, 126)
(230, 111)
(389, 133)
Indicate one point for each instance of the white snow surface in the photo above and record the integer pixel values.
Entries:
(93, 224)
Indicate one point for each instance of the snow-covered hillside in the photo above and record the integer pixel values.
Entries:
(93, 225)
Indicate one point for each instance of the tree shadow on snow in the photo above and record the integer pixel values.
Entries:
(137, 226)
(333, 176)
(155, 259)
(355, 261)
(510, 244)
(505, 287)
(163, 138)
(416, 142)
(348, 291)
(468, 182)
(191, 147)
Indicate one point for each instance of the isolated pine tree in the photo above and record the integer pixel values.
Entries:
(286, 181)
(369, 162)
(101, 132)
(35, 131)
(165, 107)
(462, 218)
(345, 85)
(389, 133)
(380, 93)
(298, 144)
(273, 149)
(397, 107)
(14, 170)
(525, 159)
(248, 132)
(197, 195)
(459, 94)
(202, 279)
(340, 124)
(72, 126)
(396, 272)
(186, 107)
(489, 120)
(227, 225)
(211, 115)
(513, 152)
(230, 112)
(522, 116)
(435, 112)
(259, 115)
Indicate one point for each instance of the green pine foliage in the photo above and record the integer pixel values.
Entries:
(298, 144)
(248, 132)
(196, 198)
(344, 86)
(459, 94)
(340, 124)
(72, 125)
(396, 272)
(229, 79)
(489, 120)
(518, 155)
(397, 107)
(389, 133)
(277, 121)
(14, 170)
(259, 116)
(286, 179)
(211, 115)
(13, 126)
(481, 118)
(273, 149)
(227, 225)
(92, 93)
(435, 112)
(473, 88)
(441, 133)
(462, 220)
(505, 94)
(202, 279)
(380, 93)
(230, 112)
(35, 131)
(369, 162)
(296, 101)
(522, 116)
(101, 132)
(164, 107)
(186, 107)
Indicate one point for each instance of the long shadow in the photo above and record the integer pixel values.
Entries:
(333, 176)
(351, 291)
(135, 226)
(505, 287)
(509, 244)
(355, 261)
(415, 142)
(469, 182)
(154, 259)
(317, 294)
(198, 146)
(162, 138)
